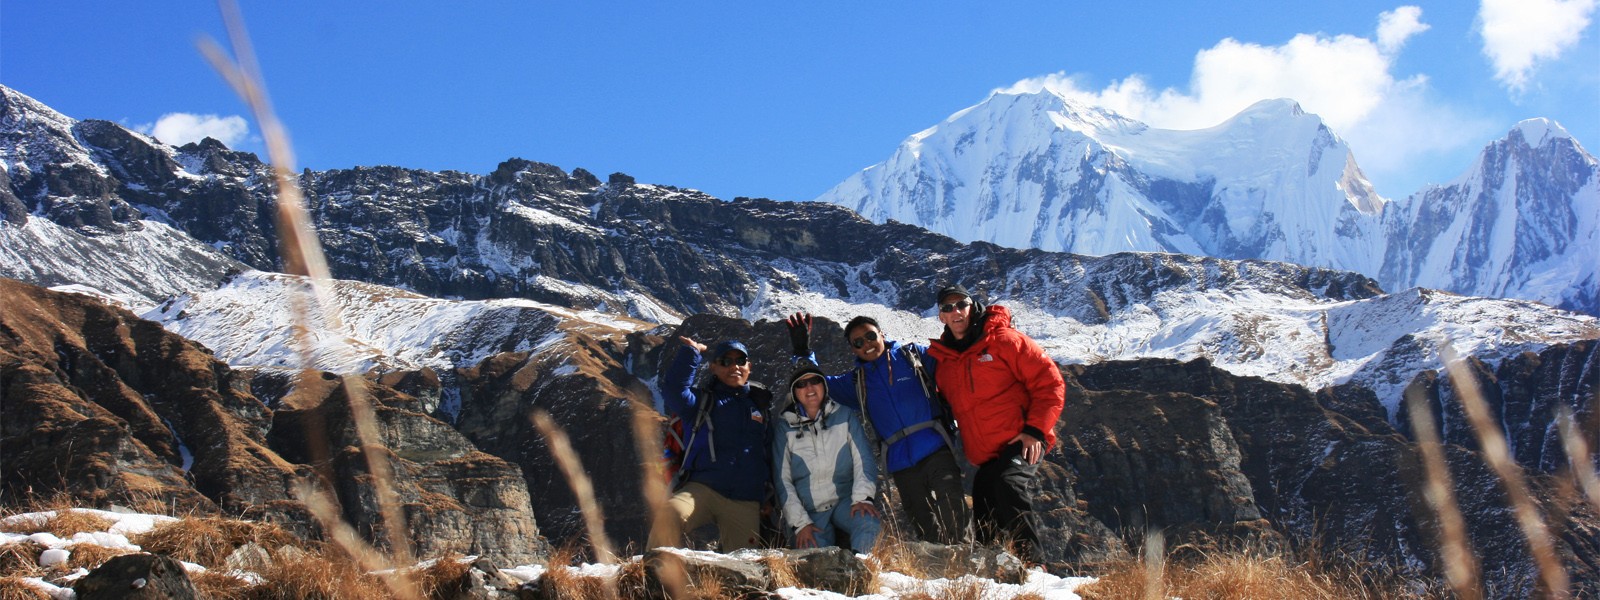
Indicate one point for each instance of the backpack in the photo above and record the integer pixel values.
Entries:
(675, 447)
(941, 421)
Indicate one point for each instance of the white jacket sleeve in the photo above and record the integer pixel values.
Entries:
(793, 512)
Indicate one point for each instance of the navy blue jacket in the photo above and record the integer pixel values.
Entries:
(893, 405)
(736, 427)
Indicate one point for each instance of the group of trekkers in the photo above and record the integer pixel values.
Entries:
(983, 389)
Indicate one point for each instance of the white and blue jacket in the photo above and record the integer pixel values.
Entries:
(820, 461)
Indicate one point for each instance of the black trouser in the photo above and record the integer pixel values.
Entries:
(1002, 502)
(932, 495)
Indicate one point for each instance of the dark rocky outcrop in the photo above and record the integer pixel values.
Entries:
(452, 497)
(1525, 394)
(137, 577)
(1314, 474)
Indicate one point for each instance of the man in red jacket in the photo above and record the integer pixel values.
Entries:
(1006, 395)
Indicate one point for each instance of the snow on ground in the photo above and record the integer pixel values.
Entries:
(1379, 342)
(247, 322)
(60, 550)
(893, 585)
(136, 268)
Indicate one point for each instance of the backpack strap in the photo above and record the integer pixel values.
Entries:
(861, 398)
(930, 388)
(702, 416)
(935, 400)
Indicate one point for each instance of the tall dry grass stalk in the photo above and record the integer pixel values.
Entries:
(302, 255)
(664, 530)
(1579, 457)
(582, 488)
(1495, 452)
(1155, 552)
(1460, 565)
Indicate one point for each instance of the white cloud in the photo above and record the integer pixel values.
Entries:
(1395, 27)
(1517, 34)
(1391, 123)
(1342, 79)
(182, 128)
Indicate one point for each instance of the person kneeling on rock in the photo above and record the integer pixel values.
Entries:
(725, 464)
(824, 471)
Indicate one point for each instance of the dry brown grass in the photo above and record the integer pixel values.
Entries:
(89, 556)
(207, 541)
(1235, 574)
(891, 555)
(963, 589)
(67, 522)
(782, 572)
(443, 578)
(20, 559)
(218, 586)
(320, 574)
(960, 589)
(562, 583)
(14, 588)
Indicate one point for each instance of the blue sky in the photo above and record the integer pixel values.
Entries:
(784, 101)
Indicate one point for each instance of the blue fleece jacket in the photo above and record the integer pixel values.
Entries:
(893, 402)
(735, 434)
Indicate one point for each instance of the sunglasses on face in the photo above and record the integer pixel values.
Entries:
(730, 361)
(870, 336)
(955, 306)
(807, 382)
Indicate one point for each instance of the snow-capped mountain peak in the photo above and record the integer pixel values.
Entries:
(1041, 170)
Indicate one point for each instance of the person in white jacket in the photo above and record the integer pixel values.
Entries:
(823, 470)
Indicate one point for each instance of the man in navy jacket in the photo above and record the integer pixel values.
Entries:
(726, 467)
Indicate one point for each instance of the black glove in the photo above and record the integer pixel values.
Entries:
(800, 333)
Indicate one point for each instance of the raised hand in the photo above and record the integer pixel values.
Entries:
(800, 333)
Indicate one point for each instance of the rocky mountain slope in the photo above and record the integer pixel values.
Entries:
(1038, 170)
(107, 408)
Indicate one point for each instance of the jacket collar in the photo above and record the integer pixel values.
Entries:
(720, 389)
(793, 417)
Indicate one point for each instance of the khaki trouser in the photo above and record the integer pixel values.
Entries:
(738, 521)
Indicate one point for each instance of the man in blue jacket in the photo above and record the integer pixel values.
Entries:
(726, 466)
(892, 385)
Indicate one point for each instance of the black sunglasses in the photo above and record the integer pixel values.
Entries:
(729, 362)
(954, 306)
(870, 336)
(808, 382)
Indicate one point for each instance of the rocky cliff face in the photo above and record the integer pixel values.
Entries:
(108, 408)
(1525, 394)
(1250, 455)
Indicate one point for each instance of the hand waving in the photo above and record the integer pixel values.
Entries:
(800, 333)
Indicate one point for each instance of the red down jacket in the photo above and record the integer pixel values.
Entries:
(1001, 386)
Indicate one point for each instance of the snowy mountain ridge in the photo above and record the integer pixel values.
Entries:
(1377, 342)
(1038, 170)
(658, 254)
